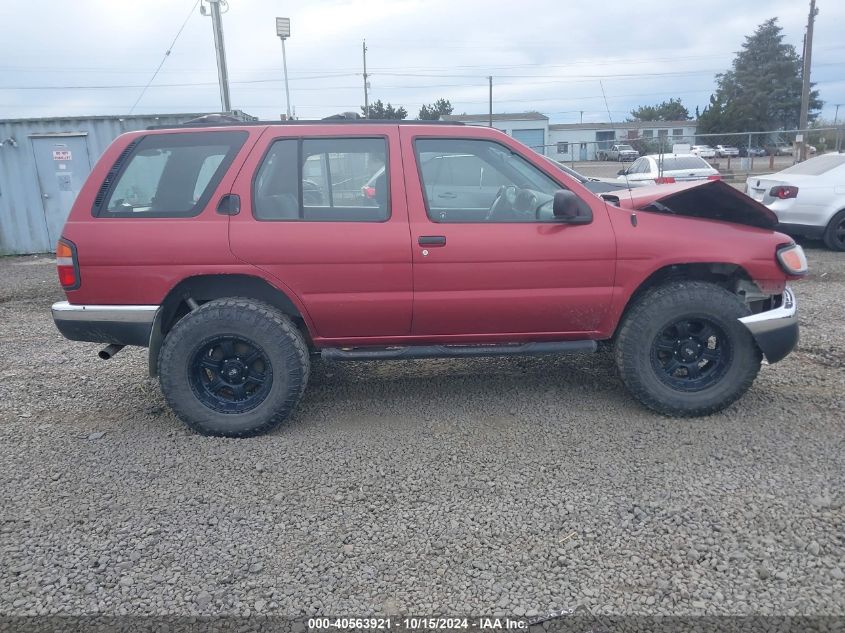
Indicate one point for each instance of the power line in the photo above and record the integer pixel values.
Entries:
(166, 55)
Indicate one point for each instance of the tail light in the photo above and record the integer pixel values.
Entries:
(664, 180)
(714, 177)
(67, 265)
(783, 192)
(369, 192)
(792, 259)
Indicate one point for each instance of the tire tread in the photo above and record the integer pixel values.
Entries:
(258, 314)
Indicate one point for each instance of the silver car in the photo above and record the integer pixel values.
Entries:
(808, 198)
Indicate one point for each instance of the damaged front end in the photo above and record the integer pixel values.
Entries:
(775, 330)
(774, 321)
(708, 199)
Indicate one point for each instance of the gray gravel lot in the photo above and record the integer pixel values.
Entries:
(426, 487)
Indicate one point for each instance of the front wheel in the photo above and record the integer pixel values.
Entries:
(683, 351)
(233, 368)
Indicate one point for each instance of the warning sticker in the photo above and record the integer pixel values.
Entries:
(61, 154)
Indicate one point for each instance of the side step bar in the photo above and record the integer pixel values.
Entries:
(456, 351)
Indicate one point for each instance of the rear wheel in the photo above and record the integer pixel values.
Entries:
(233, 368)
(682, 350)
(834, 234)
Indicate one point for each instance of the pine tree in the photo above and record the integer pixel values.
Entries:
(762, 90)
(672, 110)
(432, 112)
(378, 110)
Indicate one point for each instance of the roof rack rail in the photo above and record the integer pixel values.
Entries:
(330, 121)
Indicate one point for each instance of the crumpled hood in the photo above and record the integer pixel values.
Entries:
(708, 199)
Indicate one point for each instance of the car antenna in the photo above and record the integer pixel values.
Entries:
(624, 171)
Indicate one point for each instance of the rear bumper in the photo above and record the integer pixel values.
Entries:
(122, 325)
(775, 330)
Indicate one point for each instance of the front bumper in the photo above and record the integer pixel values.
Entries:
(775, 330)
(119, 324)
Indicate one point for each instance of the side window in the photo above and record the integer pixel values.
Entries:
(320, 180)
(170, 174)
(467, 180)
(640, 166)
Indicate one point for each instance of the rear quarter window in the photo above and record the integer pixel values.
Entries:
(168, 175)
(671, 163)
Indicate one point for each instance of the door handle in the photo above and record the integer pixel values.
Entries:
(432, 240)
(448, 195)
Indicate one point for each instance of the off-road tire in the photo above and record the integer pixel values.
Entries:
(677, 301)
(830, 238)
(272, 331)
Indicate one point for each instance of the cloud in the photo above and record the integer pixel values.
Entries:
(549, 56)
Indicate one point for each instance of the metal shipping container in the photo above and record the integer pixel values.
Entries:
(43, 163)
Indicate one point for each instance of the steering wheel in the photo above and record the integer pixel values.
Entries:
(526, 203)
(507, 193)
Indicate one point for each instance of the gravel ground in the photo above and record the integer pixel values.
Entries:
(459, 486)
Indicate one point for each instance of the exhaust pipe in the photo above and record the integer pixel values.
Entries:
(109, 351)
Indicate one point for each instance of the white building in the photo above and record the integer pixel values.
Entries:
(530, 128)
(579, 141)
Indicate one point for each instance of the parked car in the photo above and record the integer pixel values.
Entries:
(668, 168)
(618, 153)
(752, 151)
(781, 149)
(703, 151)
(234, 281)
(599, 185)
(724, 151)
(808, 198)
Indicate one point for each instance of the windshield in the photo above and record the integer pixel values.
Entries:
(816, 166)
(625, 147)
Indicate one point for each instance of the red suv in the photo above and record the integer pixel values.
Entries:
(237, 253)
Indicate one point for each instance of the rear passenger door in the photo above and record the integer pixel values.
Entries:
(306, 220)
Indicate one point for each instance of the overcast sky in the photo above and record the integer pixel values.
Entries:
(544, 55)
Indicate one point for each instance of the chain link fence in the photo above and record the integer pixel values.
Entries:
(735, 155)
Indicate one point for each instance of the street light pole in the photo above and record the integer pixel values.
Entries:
(366, 84)
(283, 31)
(490, 102)
(220, 50)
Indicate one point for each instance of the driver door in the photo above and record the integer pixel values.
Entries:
(482, 276)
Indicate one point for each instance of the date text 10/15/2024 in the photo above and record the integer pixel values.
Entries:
(412, 623)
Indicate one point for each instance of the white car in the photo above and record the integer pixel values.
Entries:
(705, 151)
(808, 198)
(667, 168)
(724, 151)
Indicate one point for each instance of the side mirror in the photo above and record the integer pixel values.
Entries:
(569, 208)
(621, 172)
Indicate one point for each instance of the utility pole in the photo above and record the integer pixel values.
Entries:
(366, 96)
(490, 80)
(220, 49)
(582, 115)
(837, 130)
(805, 77)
